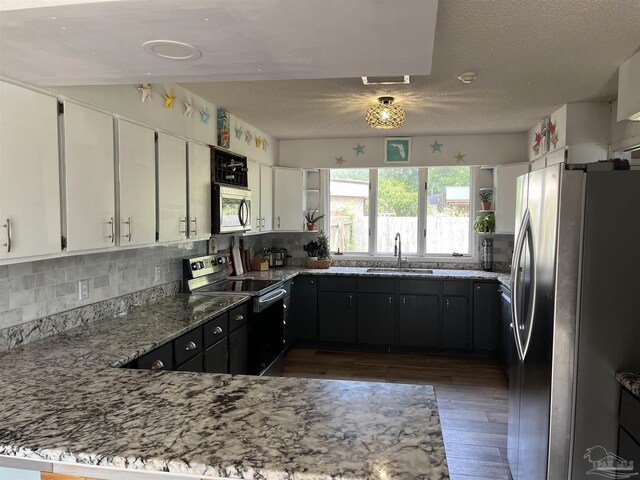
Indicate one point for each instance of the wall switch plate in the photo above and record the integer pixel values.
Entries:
(156, 277)
(83, 289)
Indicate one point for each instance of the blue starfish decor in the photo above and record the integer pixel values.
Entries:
(435, 146)
(359, 149)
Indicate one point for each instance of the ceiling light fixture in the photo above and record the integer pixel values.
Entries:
(385, 114)
(468, 77)
(388, 80)
(172, 50)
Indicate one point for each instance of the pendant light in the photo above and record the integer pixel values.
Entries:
(385, 114)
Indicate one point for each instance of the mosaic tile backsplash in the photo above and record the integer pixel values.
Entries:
(33, 290)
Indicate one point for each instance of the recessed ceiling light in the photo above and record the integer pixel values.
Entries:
(468, 77)
(387, 80)
(172, 50)
(206, 19)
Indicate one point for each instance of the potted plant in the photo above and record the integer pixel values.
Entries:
(485, 199)
(312, 218)
(485, 223)
(318, 252)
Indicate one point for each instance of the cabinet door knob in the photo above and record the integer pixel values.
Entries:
(157, 365)
(311, 282)
(284, 306)
(404, 301)
(239, 318)
(284, 322)
(8, 227)
(389, 302)
(217, 330)
(190, 346)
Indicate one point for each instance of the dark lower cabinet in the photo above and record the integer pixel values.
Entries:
(193, 365)
(238, 351)
(418, 318)
(506, 347)
(629, 427)
(159, 359)
(376, 318)
(455, 323)
(486, 316)
(216, 358)
(304, 307)
(336, 317)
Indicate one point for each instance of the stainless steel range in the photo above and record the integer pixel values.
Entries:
(207, 275)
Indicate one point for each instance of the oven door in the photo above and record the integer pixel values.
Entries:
(232, 211)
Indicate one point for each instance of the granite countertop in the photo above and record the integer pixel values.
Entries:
(61, 401)
(630, 381)
(286, 273)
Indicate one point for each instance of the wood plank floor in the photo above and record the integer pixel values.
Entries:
(472, 399)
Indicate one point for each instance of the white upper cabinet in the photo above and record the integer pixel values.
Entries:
(288, 199)
(504, 181)
(137, 162)
(266, 198)
(29, 173)
(172, 188)
(89, 178)
(199, 191)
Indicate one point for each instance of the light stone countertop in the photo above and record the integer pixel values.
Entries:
(62, 401)
(630, 381)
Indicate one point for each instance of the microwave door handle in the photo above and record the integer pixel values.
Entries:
(245, 209)
(240, 219)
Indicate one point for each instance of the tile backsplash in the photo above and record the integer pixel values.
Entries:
(33, 290)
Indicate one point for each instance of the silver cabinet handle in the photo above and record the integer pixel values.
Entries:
(190, 346)
(278, 221)
(447, 304)
(8, 227)
(217, 330)
(239, 318)
(183, 220)
(195, 226)
(264, 223)
(389, 302)
(350, 301)
(404, 301)
(157, 365)
(112, 237)
(128, 222)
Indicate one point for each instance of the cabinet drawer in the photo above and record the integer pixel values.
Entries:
(216, 358)
(337, 284)
(193, 365)
(628, 448)
(452, 287)
(419, 287)
(188, 345)
(238, 316)
(159, 359)
(215, 330)
(377, 285)
(630, 414)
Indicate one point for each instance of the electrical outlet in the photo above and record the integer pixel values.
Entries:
(156, 277)
(83, 289)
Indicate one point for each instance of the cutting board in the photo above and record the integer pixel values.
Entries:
(236, 258)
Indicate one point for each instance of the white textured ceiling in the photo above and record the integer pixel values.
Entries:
(101, 42)
(531, 57)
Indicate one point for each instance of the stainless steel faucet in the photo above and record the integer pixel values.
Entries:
(397, 249)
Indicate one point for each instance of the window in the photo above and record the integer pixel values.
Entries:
(428, 206)
(448, 210)
(349, 210)
(397, 209)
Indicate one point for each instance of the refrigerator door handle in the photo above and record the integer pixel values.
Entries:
(515, 278)
(531, 310)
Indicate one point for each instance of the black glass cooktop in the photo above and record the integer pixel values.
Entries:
(246, 286)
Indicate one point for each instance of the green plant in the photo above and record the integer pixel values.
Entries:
(485, 223)
(312, 216)
(311, 248)
(485, 195)
(323, 246)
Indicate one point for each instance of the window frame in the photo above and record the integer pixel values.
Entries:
(422, 255)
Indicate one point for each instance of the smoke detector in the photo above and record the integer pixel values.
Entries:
(468, 77)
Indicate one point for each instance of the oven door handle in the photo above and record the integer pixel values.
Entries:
(272, 296)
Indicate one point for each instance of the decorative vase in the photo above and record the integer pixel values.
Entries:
(485, 205)
(311, 226)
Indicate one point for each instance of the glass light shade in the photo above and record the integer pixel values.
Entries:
(385, 114)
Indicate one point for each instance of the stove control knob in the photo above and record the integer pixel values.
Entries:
(200, 265)
(195, 266)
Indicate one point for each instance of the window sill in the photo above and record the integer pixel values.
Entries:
(360, 257)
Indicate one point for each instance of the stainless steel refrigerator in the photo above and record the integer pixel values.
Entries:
(576, 316)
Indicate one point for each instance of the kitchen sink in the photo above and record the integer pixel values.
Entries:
(426, 271)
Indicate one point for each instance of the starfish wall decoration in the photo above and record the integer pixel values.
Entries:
(460, 157)
(168, 99)
(188, 108)
(436, 147)
(145, 91)
(248, 136)
(204, 116)
(359, 149)
(264, 144)
(258, 141)
(239, 131)
(340, 160)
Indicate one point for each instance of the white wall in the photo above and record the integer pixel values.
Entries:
(478, 150)
(124, 100)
